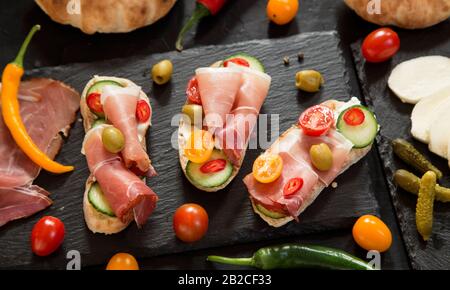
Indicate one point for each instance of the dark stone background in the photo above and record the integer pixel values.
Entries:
(241, 20)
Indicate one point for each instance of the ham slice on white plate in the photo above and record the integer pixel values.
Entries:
(125, 192)
(119, 105)
(47, 108)
(254, 88)
(218, 89)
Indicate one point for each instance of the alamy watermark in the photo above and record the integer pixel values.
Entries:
(374, 7)
(73, 7)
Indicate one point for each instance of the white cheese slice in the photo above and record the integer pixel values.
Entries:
(420, 78)
(440, 133)
(426, 112)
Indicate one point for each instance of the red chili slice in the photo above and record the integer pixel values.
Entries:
(238, 61)
(94, 103)
(354, 117)
(213, 166)
(143, 111)
(193, 92)
(317, 120)
(292, 186)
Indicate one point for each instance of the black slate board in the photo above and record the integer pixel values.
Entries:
(394, 117)
(231, 219)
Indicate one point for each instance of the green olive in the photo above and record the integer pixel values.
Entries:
(113, 140)
(321, 156)
(309, 81)
(195, 114)
(162, 72)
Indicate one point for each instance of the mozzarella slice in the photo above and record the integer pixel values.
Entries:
(426, 112)
(440, 133)
(420, 78)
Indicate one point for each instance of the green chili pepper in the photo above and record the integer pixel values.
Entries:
(297, 256)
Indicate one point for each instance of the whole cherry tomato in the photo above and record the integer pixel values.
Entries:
(282, 11)
(122, 261)
(380, 45)
(47, 235)
(190, 222)
(371, 233)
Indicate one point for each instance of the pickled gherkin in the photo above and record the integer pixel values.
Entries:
(424, 207)
(411, 183)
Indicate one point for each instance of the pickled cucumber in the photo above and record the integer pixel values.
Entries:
(425, 202)
(406, 151)
(411, 183)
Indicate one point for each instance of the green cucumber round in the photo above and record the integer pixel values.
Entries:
(253, 61)
(269, 213)
(98, 200)
(98, 86)
(361, 135)
(209, 180)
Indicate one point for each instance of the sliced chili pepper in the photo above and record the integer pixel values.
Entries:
(143, 111)
(94, 103)
(354, 117)
(213, 166)
(193, 92)
(292, 186)
(237, 60)
(203, 9)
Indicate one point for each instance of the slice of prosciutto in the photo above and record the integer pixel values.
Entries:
(119, 105)
(126, 193)
(236, 94)
(47, 108)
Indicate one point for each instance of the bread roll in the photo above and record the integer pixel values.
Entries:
(106, 16)
(410, 14)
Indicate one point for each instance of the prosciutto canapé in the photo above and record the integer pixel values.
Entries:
(119, 105)
(47, 108)
(125, 192)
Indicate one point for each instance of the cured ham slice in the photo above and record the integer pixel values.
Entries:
(271, 194)
(119, 105)
(125, 192)
(20, 202)
(298, 144)
(218, 89)
(47, 108)
(234, 137)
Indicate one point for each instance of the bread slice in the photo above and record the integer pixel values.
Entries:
(354, 156)
(96, 221)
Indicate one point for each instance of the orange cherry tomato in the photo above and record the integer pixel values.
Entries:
(199, 146)
(267, 167)
(122, 261)
(371, 233)
(190, 222)
(282, 12)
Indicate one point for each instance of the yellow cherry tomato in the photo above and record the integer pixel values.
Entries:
(267, 167)
(122, 261)
(371, 233)
(282, 12)
(199, 146)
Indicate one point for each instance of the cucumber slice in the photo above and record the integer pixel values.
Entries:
(361, 135)
(209, 179)
(98, 200)
(253, 61)
(99, 122)
(269, 213)
(98, 86)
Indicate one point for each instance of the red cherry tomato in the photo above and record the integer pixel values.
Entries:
(190, 222)
(238, 61)
(193, 92)
(292, 186)
(143, 111)
(380, 45)
(47, 235)
(213, 166)
(94, 103)
(354, 117)
(317, 120)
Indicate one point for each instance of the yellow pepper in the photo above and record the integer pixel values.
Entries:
(11, 112)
